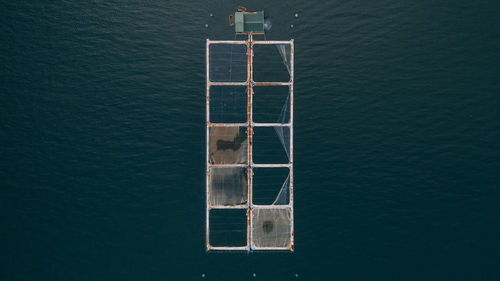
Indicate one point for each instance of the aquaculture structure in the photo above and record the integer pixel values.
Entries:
(249, 140)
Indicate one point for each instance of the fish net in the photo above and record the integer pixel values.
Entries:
(228, 63)
(271, 228)
(272, 63)
(228, 227)
(228, 104)
(228, 145)
(228, 186)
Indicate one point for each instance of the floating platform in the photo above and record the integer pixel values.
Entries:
(237, 216)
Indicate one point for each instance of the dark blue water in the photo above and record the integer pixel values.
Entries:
(397, 140)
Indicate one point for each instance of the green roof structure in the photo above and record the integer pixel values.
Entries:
(249, 22)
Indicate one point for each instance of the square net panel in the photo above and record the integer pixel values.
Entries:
(228, 186)
(271, 145)
(228, 104)
(271, 228)
(272, 62)
(228, 227)
(271, 104)
(270, 186)
(228, 145)
(228, 62)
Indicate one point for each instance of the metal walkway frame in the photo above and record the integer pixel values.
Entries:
(250, 84)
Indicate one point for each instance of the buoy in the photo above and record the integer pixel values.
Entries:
(203, 275)
(206, 25)
(296, 15)
(291, 25)
(296, 275)
(254, 274)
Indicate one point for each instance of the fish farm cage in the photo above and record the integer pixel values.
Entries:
(249, 141)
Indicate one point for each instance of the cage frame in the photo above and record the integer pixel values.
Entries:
(250, 84)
